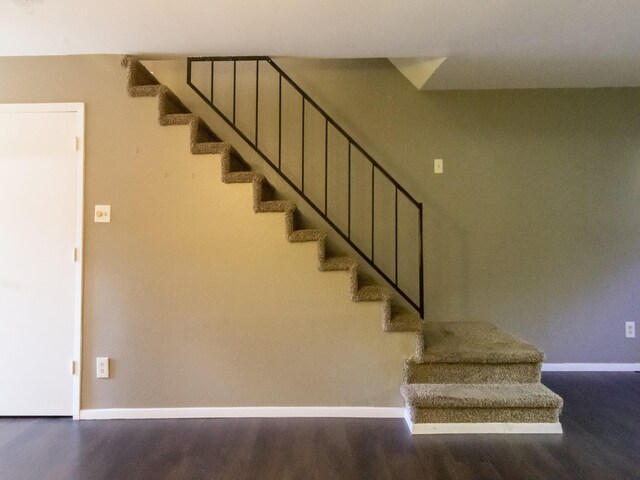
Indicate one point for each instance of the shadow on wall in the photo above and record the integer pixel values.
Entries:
(364, 106)
(446, 266)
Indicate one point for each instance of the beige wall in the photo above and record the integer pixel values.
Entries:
(197, 300)
(535, 224)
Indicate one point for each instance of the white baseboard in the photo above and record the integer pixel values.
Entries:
(240, 412)
(485, 428)
(590, 367)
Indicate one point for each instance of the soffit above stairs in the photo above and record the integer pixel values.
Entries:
(490, 44)
(418, 70)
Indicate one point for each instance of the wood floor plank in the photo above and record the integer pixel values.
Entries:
(601, 441)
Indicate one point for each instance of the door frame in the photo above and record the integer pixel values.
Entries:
(78, 108)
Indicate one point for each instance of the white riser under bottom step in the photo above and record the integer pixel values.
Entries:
(483, 428)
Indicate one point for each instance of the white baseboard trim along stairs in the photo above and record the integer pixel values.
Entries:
(465, 377)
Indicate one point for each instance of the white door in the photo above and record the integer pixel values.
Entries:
(38, 213)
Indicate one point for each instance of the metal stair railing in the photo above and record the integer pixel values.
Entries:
(251, 138)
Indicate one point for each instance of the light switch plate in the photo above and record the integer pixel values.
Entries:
(102, 214)
(438, 165)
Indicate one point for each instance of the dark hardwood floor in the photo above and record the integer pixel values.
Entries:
(601, 441)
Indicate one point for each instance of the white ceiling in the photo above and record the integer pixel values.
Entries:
(488, 43)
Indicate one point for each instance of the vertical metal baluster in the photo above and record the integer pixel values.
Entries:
(421, 266)
(326, 163)
(279, 122)
(257, 92)
(396, 236)
(373, 217)
(234, 92)
(302, 144)
(349, 195)
(212, 72)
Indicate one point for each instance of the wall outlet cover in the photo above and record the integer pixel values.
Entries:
(630, 329)
(102, 367)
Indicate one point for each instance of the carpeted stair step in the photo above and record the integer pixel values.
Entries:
(170, 104)
(403, 321)
(307, 235)
(203, 140)
(203, 134)
(336, 264)
(240, 177)
(279, 206)
(140, 82)
(235, 170)
(170, 119)
(203, 148)
(485, 403)
(145, 90)
(372, 293)
(472, 352)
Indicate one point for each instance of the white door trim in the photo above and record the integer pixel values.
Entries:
(78, 109)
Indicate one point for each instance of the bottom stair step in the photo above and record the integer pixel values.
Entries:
(484, 403)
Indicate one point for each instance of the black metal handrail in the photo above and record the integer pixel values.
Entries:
(277, 166)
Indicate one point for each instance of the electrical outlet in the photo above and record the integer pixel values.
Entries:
(102, 367)
(630, 329)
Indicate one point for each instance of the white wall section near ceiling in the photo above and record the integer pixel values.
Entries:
(489, 44)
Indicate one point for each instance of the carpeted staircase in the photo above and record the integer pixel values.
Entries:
(463, 373)
(141, 83)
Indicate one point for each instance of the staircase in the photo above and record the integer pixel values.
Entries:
(463, 374)
(141, 83)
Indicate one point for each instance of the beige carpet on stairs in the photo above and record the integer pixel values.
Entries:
(473, 372)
